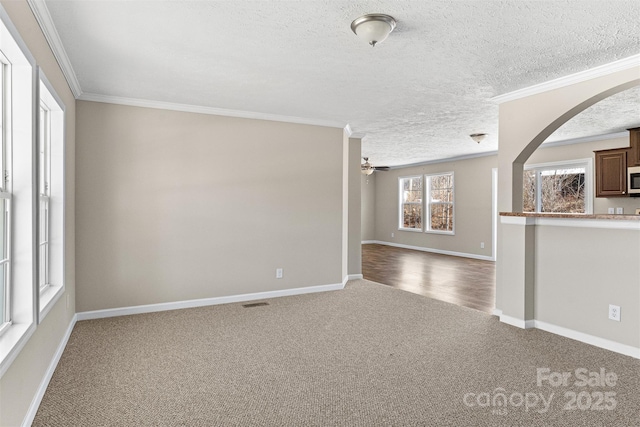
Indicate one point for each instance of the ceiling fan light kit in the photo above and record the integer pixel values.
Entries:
(368, 171)
(374, 28)
(367, 168)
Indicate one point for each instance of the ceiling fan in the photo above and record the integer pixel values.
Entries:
(367, 168)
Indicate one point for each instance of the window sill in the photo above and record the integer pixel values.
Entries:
(448, 233)
(415, 230)
(12, 341)
(48, 299)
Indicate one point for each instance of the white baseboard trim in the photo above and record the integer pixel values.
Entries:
(518, 323)
(432, 250)
(355, 277)
(150, 308)
(35, 403)
(616, 347)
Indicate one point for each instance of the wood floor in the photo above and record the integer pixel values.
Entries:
(462, 281)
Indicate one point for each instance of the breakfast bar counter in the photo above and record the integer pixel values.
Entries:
(571, 216)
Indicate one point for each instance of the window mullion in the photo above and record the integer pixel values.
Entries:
(427, 201)
(538, 191)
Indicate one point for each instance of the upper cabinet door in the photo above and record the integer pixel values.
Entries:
(634, 140)
(611, 173)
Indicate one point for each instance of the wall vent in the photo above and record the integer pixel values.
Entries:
(255, 304)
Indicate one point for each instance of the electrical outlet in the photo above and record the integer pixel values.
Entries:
(279, 273)
(481, 245)
(614, 312)
(619, 211)
(611, 210)
(392, 235)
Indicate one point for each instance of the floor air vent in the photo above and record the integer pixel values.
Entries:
(255, 304)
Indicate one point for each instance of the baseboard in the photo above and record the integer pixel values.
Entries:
(432, 250)
(518, 323)
(35, 403)
(150, 308)
(355, 277)
(616, 347)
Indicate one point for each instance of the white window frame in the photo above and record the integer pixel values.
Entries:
(6, 320)
(19, 131)
(44, 180)
(401, 203)
(5, 192)
(566, 164)
(429, 203)
(51, 198)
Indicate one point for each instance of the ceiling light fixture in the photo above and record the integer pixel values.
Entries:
(478, 137)
(374, 27)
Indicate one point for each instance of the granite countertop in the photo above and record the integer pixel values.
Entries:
(573, 216)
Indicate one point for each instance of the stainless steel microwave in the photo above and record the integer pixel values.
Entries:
(633, 181)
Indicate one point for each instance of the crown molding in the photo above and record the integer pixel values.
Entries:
(602, 70)
(585, 139)
(551, 144)
(41, 12)
(187, 108)
(351, 134)
(448, 159)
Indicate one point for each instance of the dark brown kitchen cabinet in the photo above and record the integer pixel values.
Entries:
(611, 172)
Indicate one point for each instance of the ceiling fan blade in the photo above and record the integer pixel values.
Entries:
(381, 168)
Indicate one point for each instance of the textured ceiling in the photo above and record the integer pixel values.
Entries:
(417, 96)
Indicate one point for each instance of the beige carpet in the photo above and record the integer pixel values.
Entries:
(369, 355)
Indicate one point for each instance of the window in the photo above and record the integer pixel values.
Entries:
(5, 264)
(439, 203)
(563, 187)
(440, 200)
(50, 265)
(18, 190)
(44, 167)
(411, 203)
(5, 200)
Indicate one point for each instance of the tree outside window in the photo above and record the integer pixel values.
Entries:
(556, 189)
(411, 203)
(440, 202)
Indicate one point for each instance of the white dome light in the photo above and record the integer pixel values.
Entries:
(373, 28)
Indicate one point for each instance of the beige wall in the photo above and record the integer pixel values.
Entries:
(175, 206)
(368, 207)
(580, 271)
(473, 221)
(19, 384)
(355, 207)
